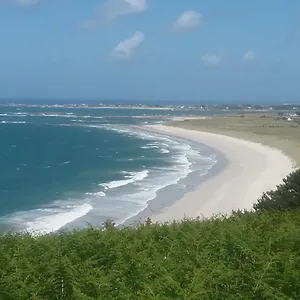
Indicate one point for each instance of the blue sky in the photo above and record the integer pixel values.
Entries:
(151, 50)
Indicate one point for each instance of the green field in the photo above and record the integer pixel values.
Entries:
(268, 129)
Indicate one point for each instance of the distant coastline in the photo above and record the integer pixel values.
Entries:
(179, 107)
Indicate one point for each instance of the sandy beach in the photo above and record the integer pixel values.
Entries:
(251, 170)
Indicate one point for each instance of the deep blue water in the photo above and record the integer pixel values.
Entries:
(70, 166)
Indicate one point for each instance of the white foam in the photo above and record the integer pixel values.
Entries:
(148, 190)
(53, 222)
(14, 115)
(13, 122)
(133, 131)
(131, 179)
(45, 115)
(140, 175)
(100, 194)
(67, 115)
(165, 151)
(149, 147)
(183, 161)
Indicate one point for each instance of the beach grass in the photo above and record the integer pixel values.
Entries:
(267, 129)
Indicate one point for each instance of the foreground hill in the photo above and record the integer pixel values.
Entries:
(247, 256)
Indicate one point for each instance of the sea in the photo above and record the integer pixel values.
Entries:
(74, 167)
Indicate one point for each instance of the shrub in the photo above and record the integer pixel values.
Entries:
(285, 197)
(245, 256)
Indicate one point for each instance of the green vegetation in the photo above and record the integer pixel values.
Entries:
(286, 197)
(249, 255)
(269, 129)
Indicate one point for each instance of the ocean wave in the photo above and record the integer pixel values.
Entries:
(161, 178)
(149, 147)
(58, 115)
(156, 140)
(158, 145)
(20, 114)
(164, 151)
(149, 188)
(131, 179)
(134, 131)
(13, 122)
(54, 222)
(184, 159)
(62, 125)
(49, 219)
(64, 163)
(100, 194)
(50, 115)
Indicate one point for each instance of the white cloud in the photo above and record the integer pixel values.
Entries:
(248, 56)
(110, 10)
(27, 2)
(125, 49)
(211, 59)
(187, 20)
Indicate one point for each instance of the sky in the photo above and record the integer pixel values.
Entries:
(211, 51)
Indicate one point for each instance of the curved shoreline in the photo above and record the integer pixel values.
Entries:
(251, 169)
(167, 196)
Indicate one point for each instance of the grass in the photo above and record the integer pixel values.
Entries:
(266, 129)
(246, 256)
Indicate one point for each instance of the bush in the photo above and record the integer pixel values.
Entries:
(245, 256)
(285, 197)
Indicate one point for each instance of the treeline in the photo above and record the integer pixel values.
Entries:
(249, 255)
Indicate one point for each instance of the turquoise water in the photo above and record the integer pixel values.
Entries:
(67, 167)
